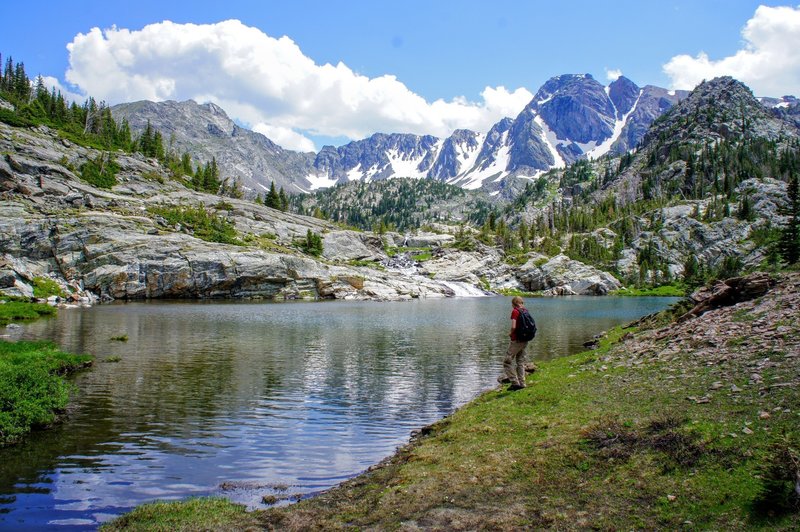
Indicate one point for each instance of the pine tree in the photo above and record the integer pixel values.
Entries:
(789, 243)
(283, 199)
(273, 199)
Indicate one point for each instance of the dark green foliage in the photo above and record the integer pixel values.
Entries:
(204, 224)
(587, 249)
(206, 177)
(400, 204)
(32, 389)
(312, 244)
(100, 172)
(731, 266)
(275, 199)
(692, 271)
(789, 243)
(90, 124)
(780, 480)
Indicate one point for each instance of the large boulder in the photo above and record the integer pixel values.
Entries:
(351, 245)
(566, 276)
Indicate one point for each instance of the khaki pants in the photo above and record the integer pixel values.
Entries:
(514, 363)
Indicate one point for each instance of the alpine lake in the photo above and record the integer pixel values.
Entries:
(254, 399)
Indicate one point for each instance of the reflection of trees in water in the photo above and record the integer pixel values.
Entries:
(192, 370)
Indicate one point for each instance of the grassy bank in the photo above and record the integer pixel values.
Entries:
(691, 425)
(667, 290)
(18, 310)
(33, 391)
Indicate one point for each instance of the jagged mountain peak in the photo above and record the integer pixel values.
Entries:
(572, 116)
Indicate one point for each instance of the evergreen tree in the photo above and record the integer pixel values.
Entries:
(273, 199)
(283, 200)
(789, 243)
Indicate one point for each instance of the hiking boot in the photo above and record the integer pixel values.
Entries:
(502, 379)
(515, 387)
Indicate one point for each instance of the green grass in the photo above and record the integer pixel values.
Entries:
(667, 290)
(194, 514)
(11, 311)
(32, 387)
(44, 287)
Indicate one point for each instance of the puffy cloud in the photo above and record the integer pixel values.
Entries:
(286, 137)
(268, 82)
(53, 83)
(769, 62)
(613, 74)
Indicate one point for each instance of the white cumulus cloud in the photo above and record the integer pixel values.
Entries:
(769, 62)
(268, 83)
(613, 74)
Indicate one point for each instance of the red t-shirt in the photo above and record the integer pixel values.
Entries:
(515, 316)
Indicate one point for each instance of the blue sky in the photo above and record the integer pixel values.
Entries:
(390, 62)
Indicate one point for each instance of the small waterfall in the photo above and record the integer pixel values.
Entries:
(461, 289)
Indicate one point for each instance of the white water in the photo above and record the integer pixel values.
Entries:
(461, 289)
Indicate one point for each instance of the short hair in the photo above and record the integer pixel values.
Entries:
(517, 301)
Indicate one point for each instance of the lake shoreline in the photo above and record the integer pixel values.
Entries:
(665, 426)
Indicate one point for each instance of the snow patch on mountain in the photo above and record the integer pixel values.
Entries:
(619, 125)
(551, 141)
(355, 174)
(317, 181)
(404, 165)
(496, 168)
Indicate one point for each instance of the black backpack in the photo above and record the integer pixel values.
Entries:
(526, 326)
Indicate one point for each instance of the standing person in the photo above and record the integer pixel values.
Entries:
(523, 329)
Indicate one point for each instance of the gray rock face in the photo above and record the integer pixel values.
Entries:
(652, 103)
(564, 276)
(350, 245)
(683, 233)
(205, 131)
(623, 94)
(108, 243)
(576, 107)
(529, 152)
(714, 110)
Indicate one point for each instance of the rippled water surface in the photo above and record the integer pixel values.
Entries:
(253, 399)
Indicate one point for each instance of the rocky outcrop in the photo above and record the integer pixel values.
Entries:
(680, 231)
(564, 276)
(108, 242)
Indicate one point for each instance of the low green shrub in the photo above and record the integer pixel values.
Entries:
(205, 224)
(100, 172)
(44, 287)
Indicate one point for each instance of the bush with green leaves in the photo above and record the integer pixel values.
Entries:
(205, 224)
(312, 244)
(101, 171)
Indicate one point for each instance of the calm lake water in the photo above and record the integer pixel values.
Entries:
(251, 399)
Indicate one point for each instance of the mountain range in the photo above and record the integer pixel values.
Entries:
(572, 116)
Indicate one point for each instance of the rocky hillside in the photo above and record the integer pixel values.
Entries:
(145, 235)
(704, 195)
(206, 132)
